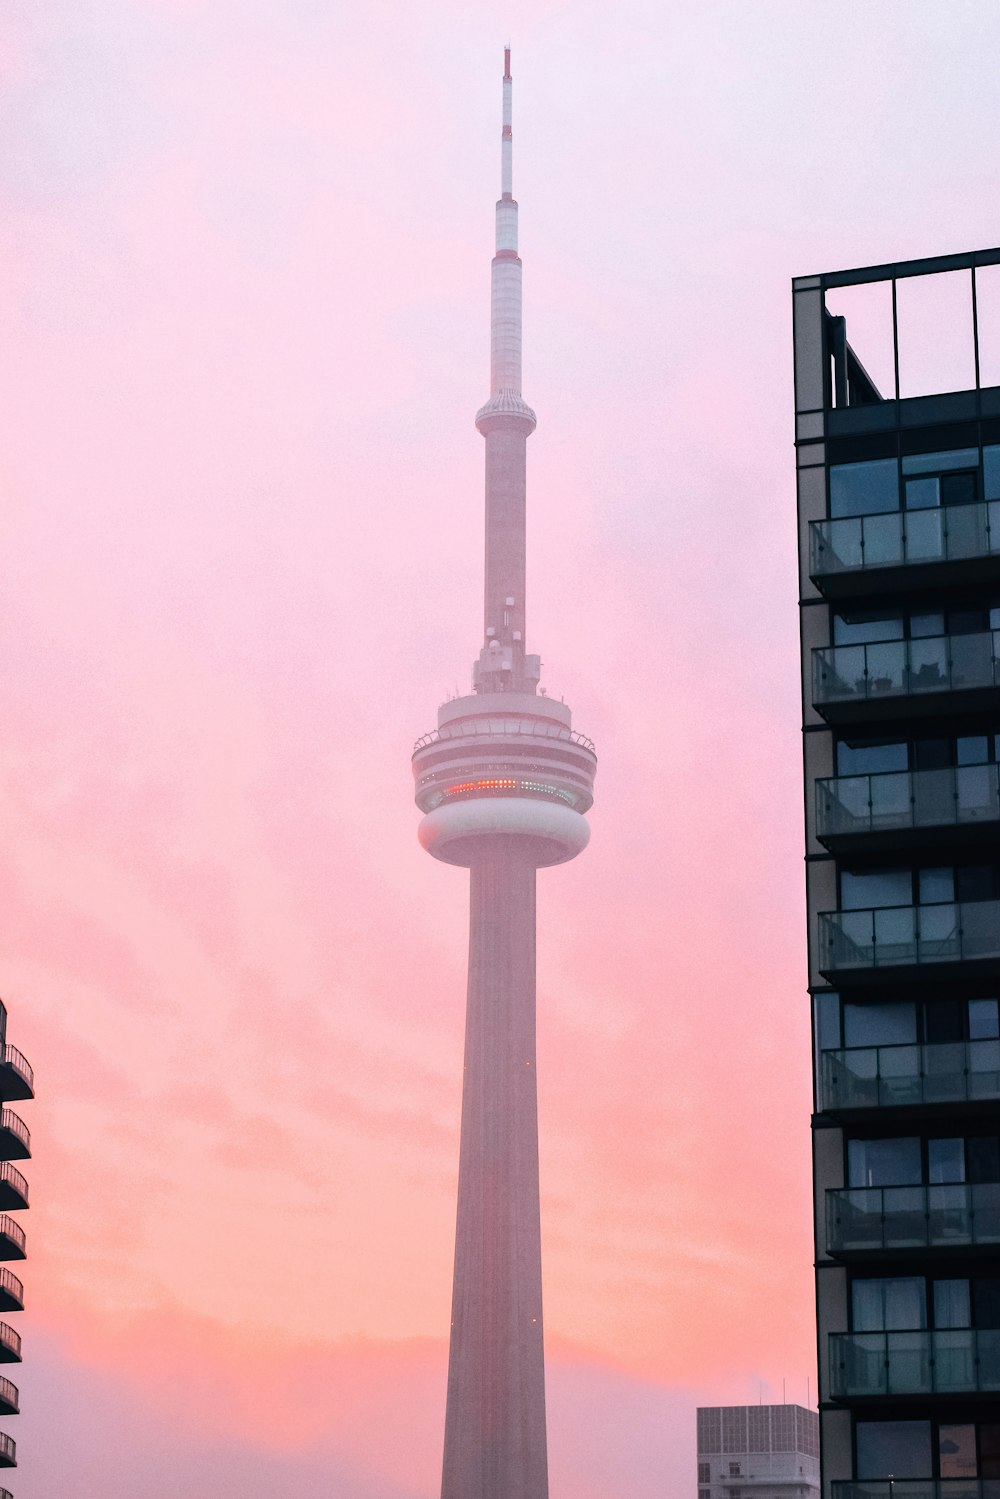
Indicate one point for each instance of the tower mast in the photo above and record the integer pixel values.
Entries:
(504, 783)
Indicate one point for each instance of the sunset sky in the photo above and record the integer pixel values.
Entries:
(244, 332)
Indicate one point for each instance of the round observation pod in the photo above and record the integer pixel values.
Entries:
(503, 766)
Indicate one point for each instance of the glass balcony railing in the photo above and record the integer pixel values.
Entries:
(942, 1215)
(946, 1361)
(885, 1077)
(905, 668)
(904, 538)
(912, 1488)
(899, 801)
(948, 932)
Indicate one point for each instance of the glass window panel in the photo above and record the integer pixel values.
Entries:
(991, 473)
(926, 624)
(859, 629)
(827, 1010)
(951, 1303)
(902, 1448)
(959, 489)
(984, 1021)
(935, 336)
(982, 1157)
(967, 621)
(975, 882)
(878, 887)
(939, 463)
(946, 1160)
(986, 1301)
(936, 885)
(989, 1450)
(957, 1451)
(867, 312)
(864, 488)
(882, 1304)
(880, 1025)
(995, 619)
(933, 754)
(988, 322)
(972, 749)
(870, 759)
(884, 1163)
(922, 494)
(943, 1021)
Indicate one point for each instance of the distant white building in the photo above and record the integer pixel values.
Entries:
(758, 1452)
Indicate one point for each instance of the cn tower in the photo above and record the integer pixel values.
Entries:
(503, 783)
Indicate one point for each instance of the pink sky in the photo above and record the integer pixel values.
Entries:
(244, 310)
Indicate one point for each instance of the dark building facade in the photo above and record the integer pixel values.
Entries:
(897, 395)
(16, 1084)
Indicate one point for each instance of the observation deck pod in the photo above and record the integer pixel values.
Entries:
(504, 766)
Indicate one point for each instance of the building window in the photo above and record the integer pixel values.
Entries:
(735, 1470)
(902, 1448)
(704, 1473)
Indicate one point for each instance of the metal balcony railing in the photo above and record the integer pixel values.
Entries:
(945, 1361)
(939, 1216)
(17, 1127)
(945, 932)
(8, 1451)
(12, 1230)
(12, 1178)
(916, 1488)
(19, 1062)
(900, 801)
(905, 668)
(9, 1396)
(11, 1286)
(885, 1077)
(904, 538)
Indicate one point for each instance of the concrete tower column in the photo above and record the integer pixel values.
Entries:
(495, 1423)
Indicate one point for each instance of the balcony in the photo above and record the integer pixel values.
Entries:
(948, 1215)
(908, 940)
(904, 549)
(8, 1451)
(950, 1361)
(911, 1488)
(15, 1140)
(17, 1081)
(894, 808)
(11, 1291)
(887, 679)
(909, 1076)
(10, 1345)
(13, 1189)
(9, 1399)
(13, 1244)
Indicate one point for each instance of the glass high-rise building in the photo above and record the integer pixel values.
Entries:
(897, 398)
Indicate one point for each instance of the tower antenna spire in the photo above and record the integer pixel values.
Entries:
(506, 421)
